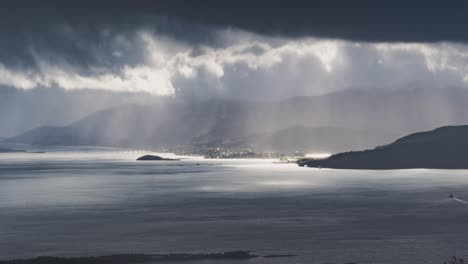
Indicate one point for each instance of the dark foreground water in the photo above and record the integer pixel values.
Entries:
(81, 204)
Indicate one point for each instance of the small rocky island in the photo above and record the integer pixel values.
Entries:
(154, 157)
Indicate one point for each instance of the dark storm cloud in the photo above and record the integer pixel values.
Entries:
(80, 32)
(361, 20)
(243, 49)
(66, 59)
(84, 34)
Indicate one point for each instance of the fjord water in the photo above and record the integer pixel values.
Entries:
(98, 203)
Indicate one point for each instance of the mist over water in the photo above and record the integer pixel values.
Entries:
(94, 203)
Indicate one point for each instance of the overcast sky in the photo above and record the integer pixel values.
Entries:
(239, 49)
(62, 60)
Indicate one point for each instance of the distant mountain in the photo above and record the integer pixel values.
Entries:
(55, 136)
(442, 148)
(301, 139)
(126, 126)
(143, 127)
(7, 150)
(356, 119)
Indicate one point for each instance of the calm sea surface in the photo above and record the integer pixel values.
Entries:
(96, 203)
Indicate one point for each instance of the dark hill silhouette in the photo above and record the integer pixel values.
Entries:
(442, 148)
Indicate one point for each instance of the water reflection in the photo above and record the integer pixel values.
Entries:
(104, 203)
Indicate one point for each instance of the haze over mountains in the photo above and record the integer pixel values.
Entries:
(341, 121)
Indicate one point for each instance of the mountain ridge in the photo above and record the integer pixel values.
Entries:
(442, 148)
(366, 118)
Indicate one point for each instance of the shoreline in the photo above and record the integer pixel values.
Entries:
(144, 258)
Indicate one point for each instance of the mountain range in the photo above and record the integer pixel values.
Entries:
(336, 122)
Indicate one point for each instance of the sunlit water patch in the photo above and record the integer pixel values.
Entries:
(97, 203)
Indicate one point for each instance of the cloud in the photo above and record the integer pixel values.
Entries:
(364, 20)
(130, 79)
(80, 53)
(238, 49)
(21, 80)
(244, 65)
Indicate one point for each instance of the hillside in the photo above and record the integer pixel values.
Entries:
(333, 122)
(302, 139)
(442, 148)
